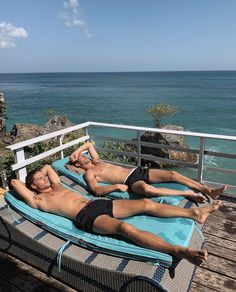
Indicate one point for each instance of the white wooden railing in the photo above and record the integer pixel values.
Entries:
(21, 161)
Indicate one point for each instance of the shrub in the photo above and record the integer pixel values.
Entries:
(159, 111)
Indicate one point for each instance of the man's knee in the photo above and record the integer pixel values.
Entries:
(125, 229)
(147, 204)
(172, 174)
(143, 188)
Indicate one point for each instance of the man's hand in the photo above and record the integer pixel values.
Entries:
(87, 146)
(122, 187)
(51, 173)
(74, 156)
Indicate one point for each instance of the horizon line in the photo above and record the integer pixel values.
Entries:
(145, 71)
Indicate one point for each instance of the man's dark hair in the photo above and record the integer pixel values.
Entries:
(71, 163)
(30, 178)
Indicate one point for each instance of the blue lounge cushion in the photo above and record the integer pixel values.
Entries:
(176, 231)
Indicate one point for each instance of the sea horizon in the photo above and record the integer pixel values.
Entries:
(127, 71)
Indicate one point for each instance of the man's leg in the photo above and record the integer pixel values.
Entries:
(104, 224)
(142, 188)
(157, 176)
(127, 208)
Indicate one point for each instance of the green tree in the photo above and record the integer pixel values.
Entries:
(159, 111)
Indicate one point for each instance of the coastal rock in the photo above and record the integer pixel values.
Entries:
(54, 124)
(22, 132)
(3, 115)
(167, 139)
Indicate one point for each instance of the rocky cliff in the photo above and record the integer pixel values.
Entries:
(171, 140)
(22, 132)
(3, 115)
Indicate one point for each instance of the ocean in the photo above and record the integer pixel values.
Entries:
(206, 99)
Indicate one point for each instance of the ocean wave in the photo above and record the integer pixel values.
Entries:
(212, 160)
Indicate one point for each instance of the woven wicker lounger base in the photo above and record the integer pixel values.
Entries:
(86, 270)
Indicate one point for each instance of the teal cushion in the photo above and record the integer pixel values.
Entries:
(176, 231)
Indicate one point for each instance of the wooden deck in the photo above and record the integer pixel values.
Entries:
(218, 274)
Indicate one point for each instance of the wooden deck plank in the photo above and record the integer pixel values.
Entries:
(7, 287)
(213, 280)
(220, 251)
(221, 242)
(227, 210)
(196, 287)
(220, 265)
(25, 278)
(223, 227)
(218, 273)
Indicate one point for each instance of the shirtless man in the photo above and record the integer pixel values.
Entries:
(137, 180)
(44, 191)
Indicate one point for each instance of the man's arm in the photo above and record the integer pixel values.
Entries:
(102, 190)
(87, 146)
(51, 173)
(27, 195)
(75, 169)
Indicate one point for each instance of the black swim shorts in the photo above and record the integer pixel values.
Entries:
(139, 173)
(91, 211)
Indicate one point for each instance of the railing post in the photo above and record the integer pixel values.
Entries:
(59, 141)
(201, 158)
(20, 157)
(138, 148)
(87, 134)
(86, 131)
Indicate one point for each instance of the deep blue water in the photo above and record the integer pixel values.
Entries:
(206, 100)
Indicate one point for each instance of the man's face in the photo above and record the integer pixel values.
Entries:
(41, 181)
(83, 162)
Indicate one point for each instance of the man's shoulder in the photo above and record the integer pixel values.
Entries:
(56, 186)
(90, 172)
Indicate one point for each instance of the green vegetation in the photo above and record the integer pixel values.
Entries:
(5, 165)
(159, 111)
(119, 158)
(51, 113)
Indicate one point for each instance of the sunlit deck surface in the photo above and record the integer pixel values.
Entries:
(218, 274)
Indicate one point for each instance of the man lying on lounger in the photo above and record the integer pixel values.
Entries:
(44, 191)
(137, 180)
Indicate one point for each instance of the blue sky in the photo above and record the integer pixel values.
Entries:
(112, 35)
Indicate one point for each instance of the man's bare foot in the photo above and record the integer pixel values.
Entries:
(201, 214)
(196, 257)
(195, 196)
(215, 193)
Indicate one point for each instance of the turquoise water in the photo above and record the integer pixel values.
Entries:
(206, 100)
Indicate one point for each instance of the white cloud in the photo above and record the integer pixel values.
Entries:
(8, 34)
(71, 17)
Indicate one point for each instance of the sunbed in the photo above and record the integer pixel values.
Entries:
(84, 267)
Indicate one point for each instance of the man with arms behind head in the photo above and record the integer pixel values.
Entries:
(44, 191)
(137, 180)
